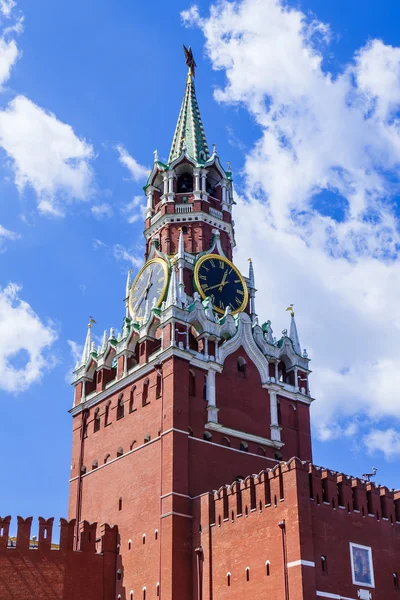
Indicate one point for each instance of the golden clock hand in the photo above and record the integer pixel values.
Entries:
(219, 285)
(223, 282)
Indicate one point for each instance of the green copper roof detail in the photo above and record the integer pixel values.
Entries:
(189, 130)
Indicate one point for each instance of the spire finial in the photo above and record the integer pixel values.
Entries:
(189, 133)
(290, 308)
(91, 322)
(190, 60)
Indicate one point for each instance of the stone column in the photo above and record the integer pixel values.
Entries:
(206, 356)
(211, 398)
(149, 208)
(296, 380)
(165, 181)
(83, 397)
(275, 427)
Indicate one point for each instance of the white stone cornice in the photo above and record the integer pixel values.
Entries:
(285, 393)
(242, 435)
(139, 371)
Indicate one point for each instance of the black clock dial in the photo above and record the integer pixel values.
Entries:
(218, 279)
(148, 289)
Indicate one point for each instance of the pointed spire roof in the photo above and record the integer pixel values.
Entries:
(173, 293)
(294, 336)
(87, 349)
(189, 130)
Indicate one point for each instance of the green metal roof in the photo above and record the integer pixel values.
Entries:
(189, 128)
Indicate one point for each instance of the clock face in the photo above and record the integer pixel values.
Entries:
(148, 289)
(218, 279)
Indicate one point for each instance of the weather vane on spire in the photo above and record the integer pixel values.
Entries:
(189, 60)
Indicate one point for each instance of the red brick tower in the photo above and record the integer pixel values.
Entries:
(193, 393)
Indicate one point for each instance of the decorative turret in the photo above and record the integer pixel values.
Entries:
(87, 349)
(294, 336)
(189, 132)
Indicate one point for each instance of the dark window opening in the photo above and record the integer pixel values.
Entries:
(132, 399)
(145, 393)
(120, 406)
(192, 383)
(395, 581)
(228, 578)
(241, 366)
(96, 425)
(324, 565)
(268, 568)
(158, 385)
(247, 574)
(107, 414)
(185, 183)
(120, 504)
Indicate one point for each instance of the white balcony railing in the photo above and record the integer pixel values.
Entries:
(215, 213)
(183, 208)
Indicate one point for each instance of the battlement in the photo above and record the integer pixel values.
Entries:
(353, 494)
(92, 539)
(323, 487)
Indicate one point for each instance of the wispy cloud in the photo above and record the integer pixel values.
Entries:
(137, 171)
(120, 253)
(25, 341)
(102, 211)
(134, 210)
(386, 441)
(46, 155)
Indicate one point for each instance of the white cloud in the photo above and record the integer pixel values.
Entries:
(47, 155)
(102, 211)
(6, 234)
(134, 210)
(319, 133)
(24, 342)
(6, 7)
(138, 171)
(8, 56)
(386, 441)
(119, 252)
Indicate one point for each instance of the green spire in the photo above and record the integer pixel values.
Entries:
(189, 129)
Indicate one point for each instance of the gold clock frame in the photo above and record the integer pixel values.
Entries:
(164, 265)
(232, 266)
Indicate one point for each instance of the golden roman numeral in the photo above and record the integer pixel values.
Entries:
(212, 262)
(221, 305)
(203, 277)
(237, 281)
(238, 302)
(221, 264)
(241, 292)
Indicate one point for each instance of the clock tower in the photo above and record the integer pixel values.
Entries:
(193, 392)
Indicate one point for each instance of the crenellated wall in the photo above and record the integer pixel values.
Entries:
(58, 572)
(302, 516)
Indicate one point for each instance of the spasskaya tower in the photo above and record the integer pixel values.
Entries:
(192, 392)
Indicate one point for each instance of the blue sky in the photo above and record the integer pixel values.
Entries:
(111, 75)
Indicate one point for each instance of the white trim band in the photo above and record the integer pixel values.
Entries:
(304, 563)
(333, 596)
